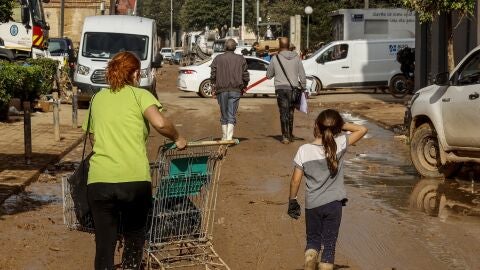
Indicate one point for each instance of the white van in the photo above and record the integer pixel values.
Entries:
(355, 63)
(103, 37)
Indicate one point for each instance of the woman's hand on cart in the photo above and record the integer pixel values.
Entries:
(181, 143)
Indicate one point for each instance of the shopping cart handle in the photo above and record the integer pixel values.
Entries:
(171, 146)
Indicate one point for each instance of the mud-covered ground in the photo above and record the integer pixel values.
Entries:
(393, 219)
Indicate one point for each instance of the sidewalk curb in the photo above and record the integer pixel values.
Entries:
(18, 188)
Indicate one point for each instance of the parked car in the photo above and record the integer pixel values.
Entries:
(196, 78)
(356, 63)
(167, 53)
(105, 36)
(63, 50)
(443, 120)
(177, 57)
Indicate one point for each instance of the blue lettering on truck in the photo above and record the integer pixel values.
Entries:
(394, 48)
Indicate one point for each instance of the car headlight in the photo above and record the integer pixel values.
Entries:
(144, 73)
(83, 70)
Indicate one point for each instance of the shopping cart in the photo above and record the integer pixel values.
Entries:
(184, 201)
(180, 226)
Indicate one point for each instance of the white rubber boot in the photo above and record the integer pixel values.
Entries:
(325, 266)
(230, 128)
(311, 259)
(224, 132)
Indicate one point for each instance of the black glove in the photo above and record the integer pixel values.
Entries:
(294, 209)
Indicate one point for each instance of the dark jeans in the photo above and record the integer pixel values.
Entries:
(286, 108)
(228, 102)
(323, 224)
(119, 204)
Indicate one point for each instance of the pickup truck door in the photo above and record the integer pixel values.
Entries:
(461, 106)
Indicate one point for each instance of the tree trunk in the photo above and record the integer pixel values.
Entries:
(450, 52)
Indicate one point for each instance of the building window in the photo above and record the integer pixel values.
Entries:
(376, 27)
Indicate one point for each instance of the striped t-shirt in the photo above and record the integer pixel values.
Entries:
(322, 188)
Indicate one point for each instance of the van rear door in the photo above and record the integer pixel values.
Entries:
(334, 65)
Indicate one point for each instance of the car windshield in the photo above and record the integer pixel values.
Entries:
(166, 50)
(219, 46)
(57, 47)
(106, 45)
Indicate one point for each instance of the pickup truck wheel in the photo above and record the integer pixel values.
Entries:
(205, 89)
(425, 152)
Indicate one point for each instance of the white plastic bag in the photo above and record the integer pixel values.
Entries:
(303, 103)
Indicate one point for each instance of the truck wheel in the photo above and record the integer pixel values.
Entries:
(399, 86)
(425, 154)
(318, 86)
(205, 89)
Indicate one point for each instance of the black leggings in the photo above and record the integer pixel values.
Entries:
(323, 224)
(132, 202)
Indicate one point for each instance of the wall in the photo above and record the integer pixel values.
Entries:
(75, 13)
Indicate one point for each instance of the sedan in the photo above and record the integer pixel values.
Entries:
(196, 78)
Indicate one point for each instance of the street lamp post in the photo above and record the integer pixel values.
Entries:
(308, 11)
(171, 24)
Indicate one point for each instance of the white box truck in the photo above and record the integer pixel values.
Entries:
(355, 63)
(103, 37)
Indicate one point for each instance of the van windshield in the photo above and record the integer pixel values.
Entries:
(318, 51)
(106, 45)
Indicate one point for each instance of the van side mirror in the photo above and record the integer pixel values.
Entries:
(442, 79)
(320, 60)
(157, 61)
(25, 15)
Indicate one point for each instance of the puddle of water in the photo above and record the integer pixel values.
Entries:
(385, 171)
(36, 195)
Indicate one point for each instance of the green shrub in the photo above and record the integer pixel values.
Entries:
(26, 81)
(49, 70)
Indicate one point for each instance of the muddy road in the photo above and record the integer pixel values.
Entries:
(393, 219)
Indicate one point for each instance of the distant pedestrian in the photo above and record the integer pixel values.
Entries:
(266, 54)
(119, 183)
(322, 163)
(229, 77)
(292, 74)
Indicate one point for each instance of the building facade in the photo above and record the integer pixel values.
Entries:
(75, 12)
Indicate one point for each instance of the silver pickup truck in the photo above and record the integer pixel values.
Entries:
(444, 120)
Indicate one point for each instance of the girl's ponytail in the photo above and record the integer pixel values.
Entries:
(330, 145)
(329, 124)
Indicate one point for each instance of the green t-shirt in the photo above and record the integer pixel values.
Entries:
(121, 132)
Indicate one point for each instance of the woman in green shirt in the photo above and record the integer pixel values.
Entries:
(119, 181)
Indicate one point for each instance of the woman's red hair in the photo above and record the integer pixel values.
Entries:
(121, 69)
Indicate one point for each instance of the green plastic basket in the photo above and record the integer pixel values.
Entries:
(186, 177)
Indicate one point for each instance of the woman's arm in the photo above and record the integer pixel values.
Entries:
(295, 182)
(164, 126)
(357, 132)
